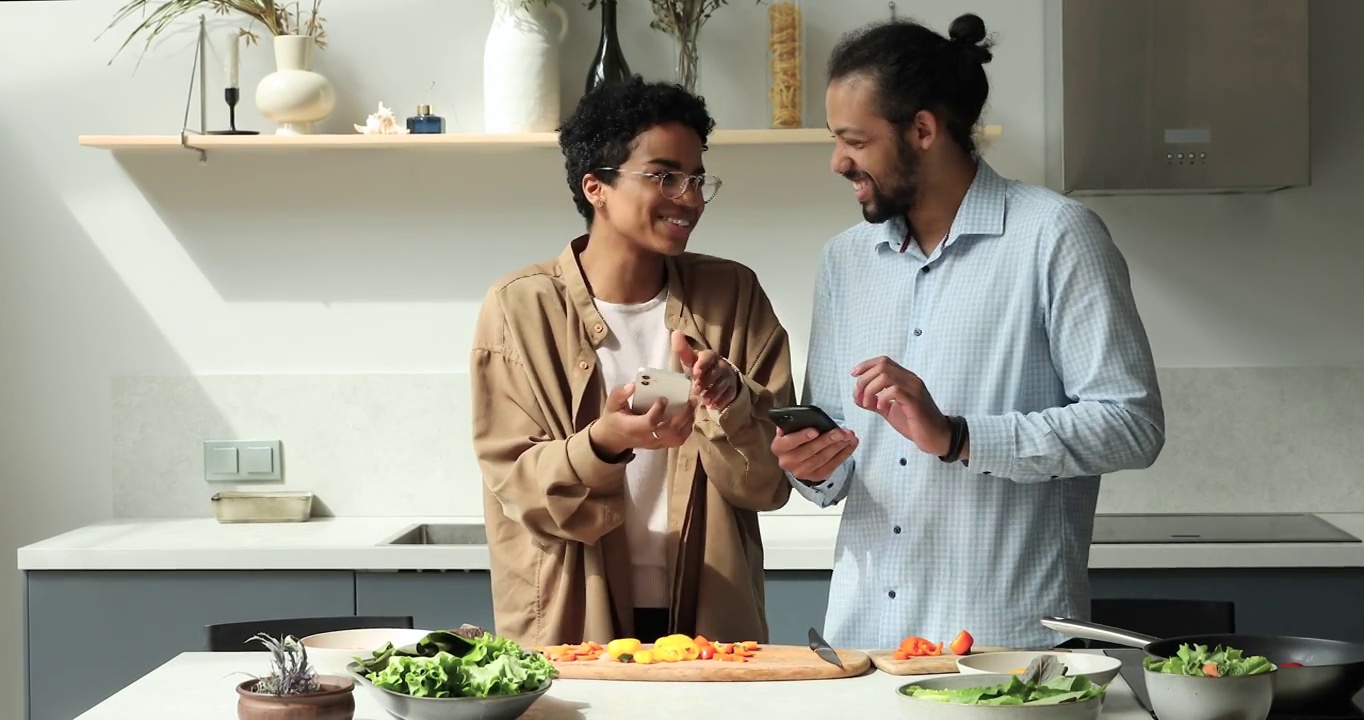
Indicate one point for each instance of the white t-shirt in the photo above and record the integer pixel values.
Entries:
(639, 338)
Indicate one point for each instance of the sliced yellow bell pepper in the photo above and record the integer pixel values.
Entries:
(644, 657)
(685, 648)
(622, 650)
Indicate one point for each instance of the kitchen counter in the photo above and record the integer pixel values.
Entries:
(354, 543)
(200, 686)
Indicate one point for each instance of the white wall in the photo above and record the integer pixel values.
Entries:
(307, 266)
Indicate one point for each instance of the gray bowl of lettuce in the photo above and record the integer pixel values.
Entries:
(1199, 682)
(995, 697)
(455, 675)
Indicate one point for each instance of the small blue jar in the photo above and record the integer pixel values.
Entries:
(424, 123)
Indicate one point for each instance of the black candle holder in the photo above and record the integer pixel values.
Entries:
(232, 96)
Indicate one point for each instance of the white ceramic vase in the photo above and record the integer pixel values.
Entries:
(293, 96)
(521, 67)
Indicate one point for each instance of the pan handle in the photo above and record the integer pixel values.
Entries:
(1095, 631)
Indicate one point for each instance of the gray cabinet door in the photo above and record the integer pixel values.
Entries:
(436, 600)
(90, 634)
(796, 601)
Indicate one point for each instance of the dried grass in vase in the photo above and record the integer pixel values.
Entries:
(276, 16)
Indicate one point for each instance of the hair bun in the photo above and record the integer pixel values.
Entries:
(968, 31)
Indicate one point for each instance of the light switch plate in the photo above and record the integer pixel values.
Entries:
(242, 460)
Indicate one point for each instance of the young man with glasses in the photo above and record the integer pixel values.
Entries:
(606, 521)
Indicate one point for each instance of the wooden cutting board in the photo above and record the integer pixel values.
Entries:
(885, 662)
(772, 662)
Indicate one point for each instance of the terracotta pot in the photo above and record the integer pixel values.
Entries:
(336, 701)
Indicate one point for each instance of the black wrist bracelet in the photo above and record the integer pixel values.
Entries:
(954, 445)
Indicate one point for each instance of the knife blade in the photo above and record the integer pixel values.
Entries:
(822, 649)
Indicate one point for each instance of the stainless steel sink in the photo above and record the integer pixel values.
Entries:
(441, 534)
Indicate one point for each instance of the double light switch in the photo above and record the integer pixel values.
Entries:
(242, 460)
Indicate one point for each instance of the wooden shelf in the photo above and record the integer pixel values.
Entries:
(266, 142)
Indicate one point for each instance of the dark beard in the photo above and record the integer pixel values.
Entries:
(897, 197)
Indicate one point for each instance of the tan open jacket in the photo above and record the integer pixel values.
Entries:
(555, 511)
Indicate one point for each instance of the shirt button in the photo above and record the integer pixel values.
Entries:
(1053, 477)
(597, 328)
(927, 268)
(918, 332)
(987, 472)
(582, 365)
(892, 594)
(897, 529)
(903, 461)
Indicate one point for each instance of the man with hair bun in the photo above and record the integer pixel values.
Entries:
(977, 341)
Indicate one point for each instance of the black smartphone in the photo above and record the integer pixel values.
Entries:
(802, 417)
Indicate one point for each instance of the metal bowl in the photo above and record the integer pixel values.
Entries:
(407, 707)
(920, 709)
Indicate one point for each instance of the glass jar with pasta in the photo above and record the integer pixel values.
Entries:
(786, 64)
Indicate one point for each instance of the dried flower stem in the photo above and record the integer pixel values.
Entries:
(277, 16)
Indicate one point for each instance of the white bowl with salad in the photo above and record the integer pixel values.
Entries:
(1100, 669)
(455, 675)
(1199, 682)
(1040, 692)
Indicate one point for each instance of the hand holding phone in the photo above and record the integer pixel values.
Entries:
(632, 420)
(654, 384)
(811, 445)
(801, 417)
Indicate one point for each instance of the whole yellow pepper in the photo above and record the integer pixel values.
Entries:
(622, 650)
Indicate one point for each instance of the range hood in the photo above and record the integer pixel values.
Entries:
(1176, 96)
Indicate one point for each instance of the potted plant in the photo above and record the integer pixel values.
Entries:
(293, 95)
(293, 690)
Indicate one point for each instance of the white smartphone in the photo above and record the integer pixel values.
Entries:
(652, 384)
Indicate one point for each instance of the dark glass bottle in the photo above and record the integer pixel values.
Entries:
(608, 65)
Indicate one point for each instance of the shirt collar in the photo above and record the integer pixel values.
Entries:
(580, 296)
(981, 213)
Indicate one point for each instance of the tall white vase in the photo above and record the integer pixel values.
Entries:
(293, 95)
(521, 67)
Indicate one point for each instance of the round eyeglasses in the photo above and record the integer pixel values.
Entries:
(673, 184)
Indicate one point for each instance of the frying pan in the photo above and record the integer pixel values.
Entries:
(1332, 672)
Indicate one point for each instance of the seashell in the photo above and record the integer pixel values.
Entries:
(381, 123)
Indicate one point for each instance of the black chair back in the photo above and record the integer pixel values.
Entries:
(234, 636)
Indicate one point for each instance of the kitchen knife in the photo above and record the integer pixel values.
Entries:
(822, 649)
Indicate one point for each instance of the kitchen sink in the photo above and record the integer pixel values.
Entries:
(441, 534)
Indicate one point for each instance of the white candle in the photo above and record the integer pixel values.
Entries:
(232, 60)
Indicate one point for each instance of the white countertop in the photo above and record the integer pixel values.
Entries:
(792, 542)
(202, 686)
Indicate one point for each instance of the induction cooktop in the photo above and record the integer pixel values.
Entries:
(1131, 673)
(1166, 528)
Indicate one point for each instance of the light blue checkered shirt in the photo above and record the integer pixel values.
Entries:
(1023, 322)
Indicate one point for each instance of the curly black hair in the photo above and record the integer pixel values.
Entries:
(915, 68)
(602, 130)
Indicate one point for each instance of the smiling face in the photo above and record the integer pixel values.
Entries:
(634, 207)
(870, 152)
